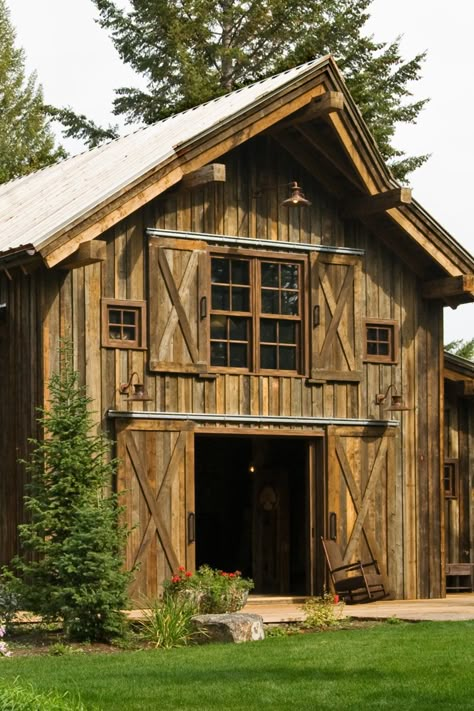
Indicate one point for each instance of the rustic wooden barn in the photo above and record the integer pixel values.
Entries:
(458, 471)
(269, 339)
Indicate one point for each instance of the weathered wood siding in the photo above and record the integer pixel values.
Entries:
(459, 449)
(248, 205)
(21, 393)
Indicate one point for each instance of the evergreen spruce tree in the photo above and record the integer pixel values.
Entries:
(74, 541)
(26, 140)
(190, 51)
(462, 348)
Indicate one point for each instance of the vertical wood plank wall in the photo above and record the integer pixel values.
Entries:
(459, 447)
(248, 205)
(21, 392)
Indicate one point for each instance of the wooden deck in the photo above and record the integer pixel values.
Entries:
(454, 607)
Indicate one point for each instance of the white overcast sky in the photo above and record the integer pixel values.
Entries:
(78, 66)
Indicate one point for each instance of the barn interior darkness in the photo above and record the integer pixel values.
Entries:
(251, 509)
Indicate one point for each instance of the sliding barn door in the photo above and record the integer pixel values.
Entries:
(156, 481)
(362, 512)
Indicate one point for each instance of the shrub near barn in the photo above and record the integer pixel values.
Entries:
(73, 541)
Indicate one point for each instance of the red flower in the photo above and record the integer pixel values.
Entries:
(231, 575)
(188, 574)
(175, 579)
(181, 568)
(224, 575)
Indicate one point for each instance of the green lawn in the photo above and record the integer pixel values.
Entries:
(422, 666)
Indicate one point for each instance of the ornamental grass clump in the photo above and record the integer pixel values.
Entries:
(212, 591)
(168, 623)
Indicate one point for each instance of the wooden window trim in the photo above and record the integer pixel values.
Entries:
(452, 492)
(393, 357)
(140, 308)
(256, 257)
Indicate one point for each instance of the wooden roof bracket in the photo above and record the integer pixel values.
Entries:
(318, 108)
(450, 288)
(211, 173)
(377, 203)
(87, 253)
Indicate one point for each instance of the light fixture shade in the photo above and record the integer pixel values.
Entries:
(397, 405)
(139, 394)
(296, 199)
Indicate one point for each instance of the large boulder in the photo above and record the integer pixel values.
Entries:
(230, 627)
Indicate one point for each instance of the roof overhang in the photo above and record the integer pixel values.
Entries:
(313, 102)
(460, 372)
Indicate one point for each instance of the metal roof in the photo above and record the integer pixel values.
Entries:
(36, 207)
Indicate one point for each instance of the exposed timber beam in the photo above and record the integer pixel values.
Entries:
(320, 107)
(212, 173)
(321, 146)
(314, 168)
(87, 253)
(373, 204)
(449, 287)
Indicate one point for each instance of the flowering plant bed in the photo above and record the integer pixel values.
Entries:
(211, 590)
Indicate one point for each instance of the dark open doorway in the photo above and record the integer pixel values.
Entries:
(252, 509)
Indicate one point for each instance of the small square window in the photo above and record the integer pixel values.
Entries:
(450, 478)
(381, 341)
(123, 324)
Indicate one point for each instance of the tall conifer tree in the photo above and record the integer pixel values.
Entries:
(26, 141)
(190, 51)
(74, 543)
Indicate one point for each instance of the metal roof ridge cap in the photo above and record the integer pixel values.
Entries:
(184, 145)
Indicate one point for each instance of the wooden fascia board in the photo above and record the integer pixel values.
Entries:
(353, 152)
(424, 241)
(110, 212)
(456, 377)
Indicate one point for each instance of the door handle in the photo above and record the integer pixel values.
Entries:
(316, 316)
(191, 527)
(332, 526)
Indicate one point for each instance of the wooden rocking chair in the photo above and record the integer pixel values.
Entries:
(355, 582)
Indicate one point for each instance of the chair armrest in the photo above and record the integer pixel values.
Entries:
(372, 563)
(350, 566)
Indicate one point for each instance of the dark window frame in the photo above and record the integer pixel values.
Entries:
(452, 478)
(393, 347)
(138, 308)
(255, 313)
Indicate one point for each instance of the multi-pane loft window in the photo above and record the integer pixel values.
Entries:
(123, 323)
(256, 313)
(280, 318)
(381, 341)
(230, 312)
